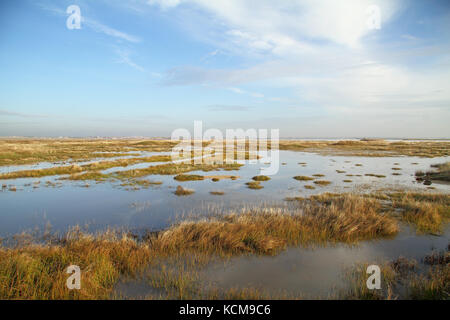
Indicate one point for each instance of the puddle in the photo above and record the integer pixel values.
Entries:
(317, 272)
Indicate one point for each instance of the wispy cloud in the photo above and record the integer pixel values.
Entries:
(93, 24)
(124, 57)
(210, 55)
(101, 28)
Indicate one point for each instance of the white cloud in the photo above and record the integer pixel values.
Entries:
(101, 28)
(93, 24)
(321, 51)
(124, 57)
(274, 25)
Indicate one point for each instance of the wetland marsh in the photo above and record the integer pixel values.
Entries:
(150, 228)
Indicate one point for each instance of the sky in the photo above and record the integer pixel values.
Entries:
(310, 68)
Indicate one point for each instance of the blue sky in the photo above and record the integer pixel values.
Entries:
(311, 68)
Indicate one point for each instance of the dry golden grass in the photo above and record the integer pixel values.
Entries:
(91, 175)
(175, 168)
(370, 148)
(322, 182)
(427, 212)
(87, 169)
(28, 151)
(357, 289)
(400, 279)
(375, 175)
(261, 178)
(265, 231)
(188, 177)
(38, 271)
(42, 172)
(255, 185)
(303, 178)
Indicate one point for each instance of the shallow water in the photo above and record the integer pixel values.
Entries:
(47, 165)
(103, 205)
(318, 272)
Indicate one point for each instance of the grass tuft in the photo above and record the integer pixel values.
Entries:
(180, 191)
(261, 178)
(375, 175)
(188, 177)
(254, 185)
(303, 178)
(322, 182)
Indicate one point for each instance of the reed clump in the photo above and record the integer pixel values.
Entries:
(400, 279)
(322, 182)
(92, 175)
(375, 175)
(427, 212)
(442, 173)
(42, 172)
(254, 185)
(180, 191)
(266, 231)
(175, 168)
(38, 271)
(261, 178)
(303, 178)
(188, 177)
